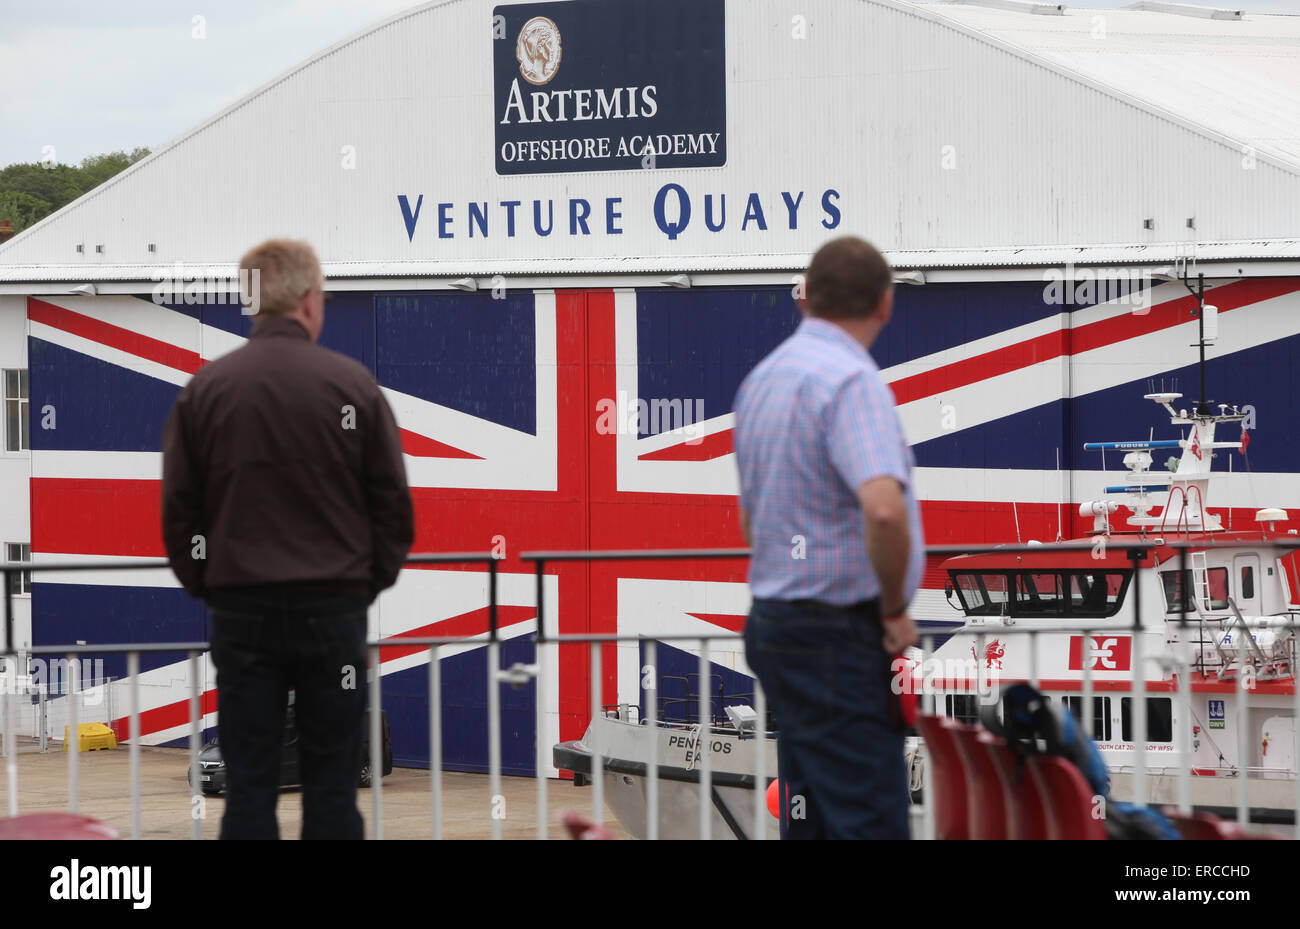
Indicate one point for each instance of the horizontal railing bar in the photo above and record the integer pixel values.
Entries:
(643, 554)
(579, 637)
(466, 557)
(572, 638)
(153, 564)
(1112, 542)
(105, 649)
(671, 554)
(576, 637)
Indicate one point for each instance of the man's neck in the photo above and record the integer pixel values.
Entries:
(862, 331)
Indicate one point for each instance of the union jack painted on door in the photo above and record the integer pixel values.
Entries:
(505, 411)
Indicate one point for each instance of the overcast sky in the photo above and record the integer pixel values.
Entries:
(88, 76)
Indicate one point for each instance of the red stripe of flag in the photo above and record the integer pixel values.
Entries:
(1096, 335)
(112, 336)
(704, 449)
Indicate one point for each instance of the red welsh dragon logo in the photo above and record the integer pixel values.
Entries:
(993, 653)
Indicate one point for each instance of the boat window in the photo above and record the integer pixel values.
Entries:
(1218, 578)
(1039, 593)
(1094, 594)
(1160, 719)
(1083, 594)
(981, 594)
(964, 708)
(1247, 583)
(1100, 715)
(1177, 585)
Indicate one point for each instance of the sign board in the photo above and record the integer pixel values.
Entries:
(594, 85)
(1216, 714)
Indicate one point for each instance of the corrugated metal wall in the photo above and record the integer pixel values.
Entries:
(930, 136)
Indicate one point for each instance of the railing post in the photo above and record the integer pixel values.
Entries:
(927, 706)
(376, 744)
(43, 698)
(652, 726)
(9, 612)
(1139, 688)
(539, 704)
(497, 802)
(435, 739)
(1243, 733)
(71, 737)
(597, 759)
(133, 733)
(1184, 719)
(1295, 728)
(760, 763)
(702, 747)
(10, 742)
(197, 823)
(542, 764)
(1086, 709)
(1033, 659)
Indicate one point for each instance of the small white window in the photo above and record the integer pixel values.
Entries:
(20, 583)
(17, 431)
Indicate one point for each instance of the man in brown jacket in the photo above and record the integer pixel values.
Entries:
(285, 507)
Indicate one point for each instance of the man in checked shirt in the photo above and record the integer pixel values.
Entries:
(828, 504)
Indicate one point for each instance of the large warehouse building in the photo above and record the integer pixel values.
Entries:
(542, 219)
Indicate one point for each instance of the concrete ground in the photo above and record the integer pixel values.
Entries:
(166, 804)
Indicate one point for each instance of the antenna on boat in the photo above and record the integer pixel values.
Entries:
(1017, 516)
(1059, 496)
(1203, 311)
(1208, 328)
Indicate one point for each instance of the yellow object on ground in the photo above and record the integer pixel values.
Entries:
(91, 736)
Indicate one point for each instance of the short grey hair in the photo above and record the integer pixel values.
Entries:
(287, 269)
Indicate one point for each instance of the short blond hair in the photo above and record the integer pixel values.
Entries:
(287, 270)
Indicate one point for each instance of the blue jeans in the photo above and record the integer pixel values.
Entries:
(263, 644)
(840, 737)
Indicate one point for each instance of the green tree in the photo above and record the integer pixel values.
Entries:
(22, 210)
(96, 169)
(31, 191)
(57, 185)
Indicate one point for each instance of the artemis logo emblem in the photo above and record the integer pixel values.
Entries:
(103, 882)
(538, 50)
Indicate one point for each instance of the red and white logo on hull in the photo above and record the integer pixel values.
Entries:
(1106, 653)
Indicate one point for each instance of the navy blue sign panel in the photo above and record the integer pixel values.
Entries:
(609, 85)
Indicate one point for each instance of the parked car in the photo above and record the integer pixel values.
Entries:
(212, 767)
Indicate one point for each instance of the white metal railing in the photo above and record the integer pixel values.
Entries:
(1182, 665)
(551, 645)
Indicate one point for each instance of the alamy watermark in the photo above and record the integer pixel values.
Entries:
(624, 416)
(1091, 286)
(190, 289)
(59, 677)
(980, 677)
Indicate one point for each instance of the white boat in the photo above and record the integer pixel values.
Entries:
(1225, 613)
(625, 743)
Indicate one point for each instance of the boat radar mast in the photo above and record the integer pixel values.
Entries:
(1187, 487)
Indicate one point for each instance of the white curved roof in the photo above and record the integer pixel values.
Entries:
(953, 135)
(1240, 77)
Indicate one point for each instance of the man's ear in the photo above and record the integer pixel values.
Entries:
(885, 309)
(802, 303)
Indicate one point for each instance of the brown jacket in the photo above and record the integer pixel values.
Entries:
(285, 458)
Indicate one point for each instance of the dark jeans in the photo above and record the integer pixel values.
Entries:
(840, 742)
(263, 643)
